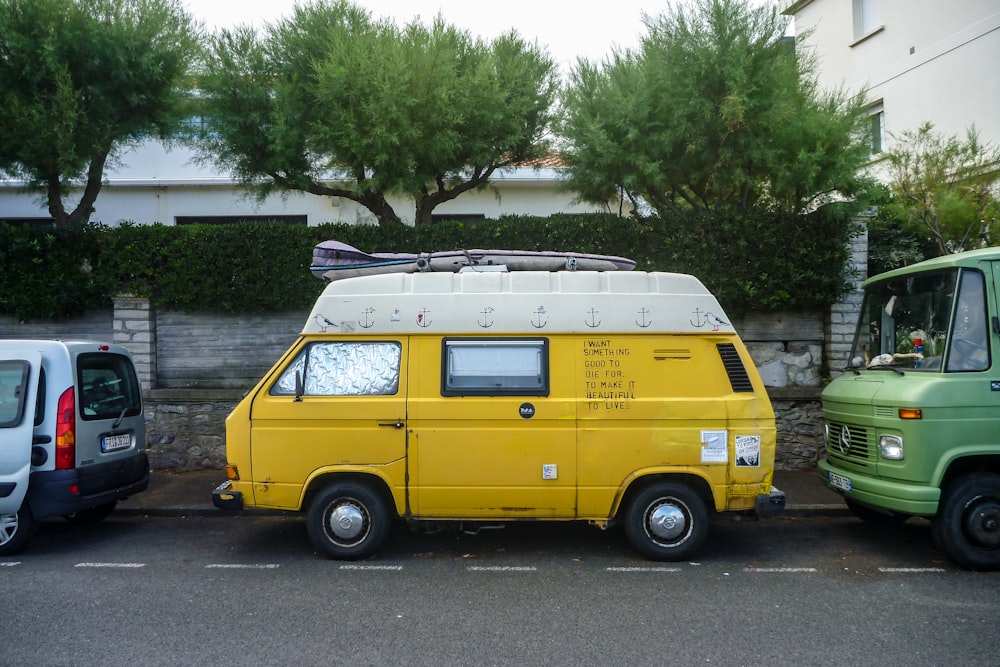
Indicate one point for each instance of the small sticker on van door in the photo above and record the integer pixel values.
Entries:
(714, 448)
(747, 451)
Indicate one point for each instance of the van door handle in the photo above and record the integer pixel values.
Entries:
(395, 424)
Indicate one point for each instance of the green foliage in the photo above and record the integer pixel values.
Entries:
(79, 79)
(715, 111)
(333, 103)
(892, 243)
(756, 261)
(946, 187)
(50, 274)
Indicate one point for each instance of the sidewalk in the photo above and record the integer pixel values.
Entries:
(190, 494)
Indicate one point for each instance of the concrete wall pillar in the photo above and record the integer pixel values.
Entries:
(135, 330)
(842, 319)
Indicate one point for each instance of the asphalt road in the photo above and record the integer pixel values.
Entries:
(251, 591)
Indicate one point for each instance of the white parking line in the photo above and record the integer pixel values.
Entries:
(642, 569)
(242, 566)
(911, 569)
(355, 566)
(780, 569)
(501, 568)
(10, 563)
(114, 565)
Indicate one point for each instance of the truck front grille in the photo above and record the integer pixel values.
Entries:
(850, 443)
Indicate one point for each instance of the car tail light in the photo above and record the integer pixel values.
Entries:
(66, 431)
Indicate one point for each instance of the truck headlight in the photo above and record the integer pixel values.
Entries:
(890, 447)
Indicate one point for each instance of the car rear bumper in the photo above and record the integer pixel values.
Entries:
(770, 504)
(61, 492)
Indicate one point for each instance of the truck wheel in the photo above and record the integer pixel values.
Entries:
(16, 530)
(348, 521)
(967, 525)
(874, 517)
(667, 522)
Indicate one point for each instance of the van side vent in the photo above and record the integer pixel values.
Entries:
(738, 377)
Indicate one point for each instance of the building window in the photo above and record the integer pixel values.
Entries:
(876, 130)
(232, 219)
(456, 217)
(867, 17)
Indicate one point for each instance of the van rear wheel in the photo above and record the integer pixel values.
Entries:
(16, 530)
(667, 521)
(967, 526)
(348, 521)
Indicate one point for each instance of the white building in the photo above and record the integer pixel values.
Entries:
(154, 184)
(920, 61)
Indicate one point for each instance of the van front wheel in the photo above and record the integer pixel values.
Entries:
(348, 521)
(667, 522)
(967, 526)
(16, 530)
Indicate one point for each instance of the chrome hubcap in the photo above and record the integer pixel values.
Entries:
(667, 522)
(346, 522)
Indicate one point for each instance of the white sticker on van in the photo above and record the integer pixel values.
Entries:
(747, 451)
(714, 449)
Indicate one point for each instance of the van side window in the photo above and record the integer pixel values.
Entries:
(13, 385)
(108, 385)
(343, 369)
(518, 367)
(969, 347)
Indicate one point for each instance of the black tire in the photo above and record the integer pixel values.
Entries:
(873, 516)
(667, 522)
(348, 521)
(967, 526)
(93, 515)
(16, 530)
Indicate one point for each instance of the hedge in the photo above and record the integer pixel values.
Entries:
(753, 262)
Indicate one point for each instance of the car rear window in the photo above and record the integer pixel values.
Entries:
(108, 385)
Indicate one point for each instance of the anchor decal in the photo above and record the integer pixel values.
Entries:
(699, 322)
(536, 320)
(486, 322)
(422, 319)
(593, 322)
(368, 321)
(644, 323)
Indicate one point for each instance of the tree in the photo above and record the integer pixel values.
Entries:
(335, 103)
(715, 110)
(947, 186)
(81, 79)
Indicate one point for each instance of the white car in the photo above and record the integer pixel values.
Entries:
(72, 433)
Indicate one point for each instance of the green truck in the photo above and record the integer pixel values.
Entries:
(913, 423)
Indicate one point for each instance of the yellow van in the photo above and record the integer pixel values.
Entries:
(488, 396)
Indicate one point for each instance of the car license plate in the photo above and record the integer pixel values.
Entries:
(840, 482)
(111, 443)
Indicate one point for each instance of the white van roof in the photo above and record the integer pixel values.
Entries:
(525, 302)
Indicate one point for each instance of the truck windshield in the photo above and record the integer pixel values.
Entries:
(925, 322)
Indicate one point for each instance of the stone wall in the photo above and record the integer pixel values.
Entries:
(186, 428)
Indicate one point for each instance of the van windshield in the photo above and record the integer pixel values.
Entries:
(928, 322)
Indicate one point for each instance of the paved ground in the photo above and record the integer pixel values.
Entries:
(190, 492)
